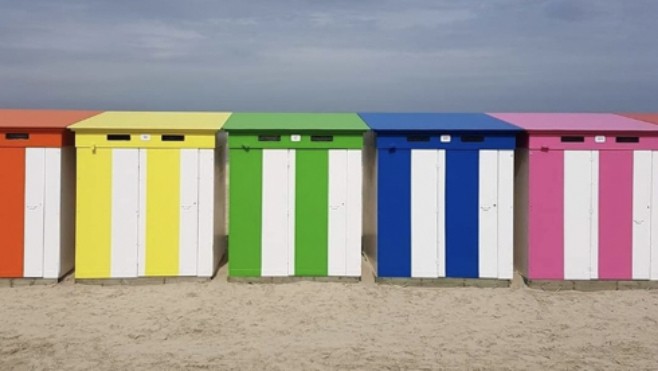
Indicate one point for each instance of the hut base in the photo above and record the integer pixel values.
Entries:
(20, 282)
(139, 281)
(292, 279)
(591, 285)
(445, 282)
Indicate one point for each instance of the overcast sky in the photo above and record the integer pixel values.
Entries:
(330, 55)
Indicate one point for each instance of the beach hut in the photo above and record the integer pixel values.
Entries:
(439, 190)
(584, 197)
(150, 194)
(37, 190)
(295, 194)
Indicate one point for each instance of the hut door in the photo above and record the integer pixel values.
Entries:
(624, 245)
(42, 212)
(311, 212)
(188, 248)
(344, 220)
(644, 184)
(427, 213)
(168, 212)
(278, 212)
(124, 211)
(495, 215)
(35, 187)
(653, 217)
(581, 199)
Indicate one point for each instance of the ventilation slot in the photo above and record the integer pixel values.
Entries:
(472, 138)
(572, 139)
(322, 138)
(628, 140)
(17, 136)
(173, 138)
(418, 138)
(269, 138)
(119, 137)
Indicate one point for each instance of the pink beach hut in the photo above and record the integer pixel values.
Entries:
(584, 197)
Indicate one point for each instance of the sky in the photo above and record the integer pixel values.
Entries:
(330, 55)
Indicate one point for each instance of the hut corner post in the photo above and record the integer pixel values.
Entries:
(370, 199)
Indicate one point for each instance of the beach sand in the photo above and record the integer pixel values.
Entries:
(318, 325)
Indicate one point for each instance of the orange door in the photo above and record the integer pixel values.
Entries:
(12, 195)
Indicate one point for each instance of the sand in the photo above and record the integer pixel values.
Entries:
(317, 325)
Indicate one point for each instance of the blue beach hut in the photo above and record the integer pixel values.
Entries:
(439, 195)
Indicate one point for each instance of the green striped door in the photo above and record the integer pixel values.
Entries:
(295, 212)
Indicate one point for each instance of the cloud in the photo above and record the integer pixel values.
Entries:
(161, 40)
(569, 10)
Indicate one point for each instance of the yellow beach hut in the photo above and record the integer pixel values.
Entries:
(150, 194)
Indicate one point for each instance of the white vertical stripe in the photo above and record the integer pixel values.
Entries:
(441, 212)
(354, 213)
(642, 164)
(206, 251)
(577, 214)
(34, 211)
(654, 217)
(424, 213)
(125, 201)
(506, 214)
(290, 214)
(52, 213)
(275, 249)
(189, 212)
(594, 226)
(488, 214)
(337, 228)
(141, 223)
